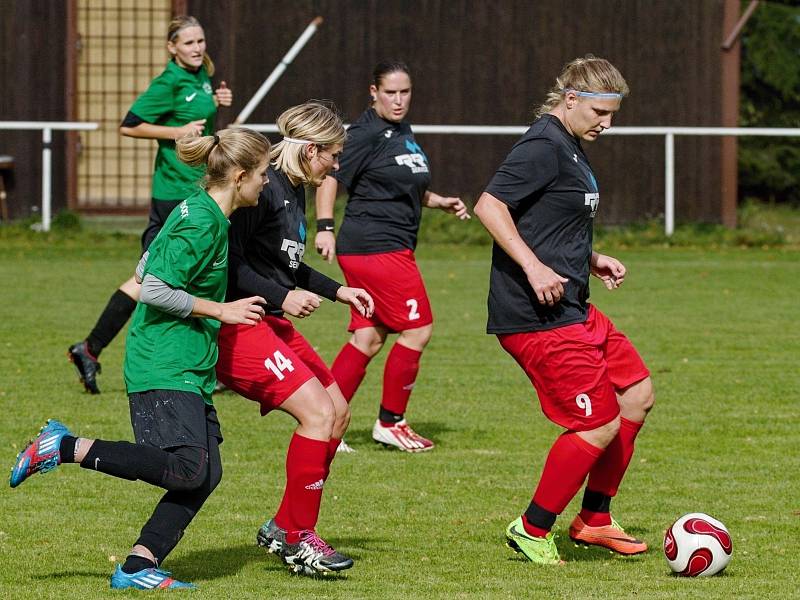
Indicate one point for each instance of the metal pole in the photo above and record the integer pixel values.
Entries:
(47, 138)
(278, 71)
(669, 184)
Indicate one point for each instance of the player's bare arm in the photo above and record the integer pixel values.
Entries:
(149, 131)
(449, 204)
(325, 241)
(546, 283)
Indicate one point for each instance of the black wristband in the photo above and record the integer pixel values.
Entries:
(325, 225)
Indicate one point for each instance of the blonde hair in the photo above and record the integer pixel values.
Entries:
(180, 23)
(226, 150)
(309, 123)
(587, 74)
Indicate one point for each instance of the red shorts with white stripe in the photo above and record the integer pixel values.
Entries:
(268, 362)
(395, 284)
(577, 370)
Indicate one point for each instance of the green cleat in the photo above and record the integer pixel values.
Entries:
(541, 551)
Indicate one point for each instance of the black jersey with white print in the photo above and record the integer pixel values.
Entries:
(266, 244)
(386, 174)
(548, 185)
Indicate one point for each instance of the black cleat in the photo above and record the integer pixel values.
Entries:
(87, 366)
(313, 556)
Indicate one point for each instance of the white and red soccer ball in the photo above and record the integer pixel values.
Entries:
(697, 545)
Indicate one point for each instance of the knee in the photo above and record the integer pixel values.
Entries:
(187, 469)
(645, 396)
(416, 339)
(602, 436)
(342, 421)
(320, 414)
(368, 341)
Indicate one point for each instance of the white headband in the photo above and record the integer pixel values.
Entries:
(296, 141)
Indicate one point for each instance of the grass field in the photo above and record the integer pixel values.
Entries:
(718, 329)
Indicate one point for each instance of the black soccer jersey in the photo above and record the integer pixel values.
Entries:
(266, 246)
(386, 175)
(552, 195)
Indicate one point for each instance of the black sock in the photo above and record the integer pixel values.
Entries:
(135, 563)
(539, 517)
(596, 502)
(113, 318)
(387, 416)
(67, 449)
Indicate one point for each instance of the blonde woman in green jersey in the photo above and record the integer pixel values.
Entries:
(178, 102)
(170, 355)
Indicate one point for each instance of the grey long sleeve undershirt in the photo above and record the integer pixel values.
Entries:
(159, 295)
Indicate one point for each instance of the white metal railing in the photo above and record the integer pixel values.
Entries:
(669, 134)
(47, 128)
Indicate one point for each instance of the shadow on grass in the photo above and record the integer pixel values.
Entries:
(70, 574)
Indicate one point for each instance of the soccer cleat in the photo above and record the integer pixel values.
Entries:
(541, 551)
(400, 436)
(147, 579)
(87, 365)
(611, 536)
(345, 448)
(271, 537)
(41, 454)
(313, 556)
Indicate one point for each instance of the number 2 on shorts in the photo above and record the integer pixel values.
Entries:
(413, 313)
(279, 365)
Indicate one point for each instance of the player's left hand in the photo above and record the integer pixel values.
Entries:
(224, 94)
(358, 298)
(609, 270)
(454, 206)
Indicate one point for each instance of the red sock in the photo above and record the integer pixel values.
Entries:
(306, 462)
(399, 375)
(349, 368)
(569, 461)
(595, 519)
(333, 444)
(533, 529)
(607, 473)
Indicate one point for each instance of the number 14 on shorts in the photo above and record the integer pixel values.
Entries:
(279, 364)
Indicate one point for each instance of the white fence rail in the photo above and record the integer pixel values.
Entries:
(669, 134)
(47, 128)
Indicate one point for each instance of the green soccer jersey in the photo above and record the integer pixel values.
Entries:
(175, 98)
(163, 351)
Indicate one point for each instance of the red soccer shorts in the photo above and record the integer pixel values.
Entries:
(268, 362)
(577, 370)
(395, 284)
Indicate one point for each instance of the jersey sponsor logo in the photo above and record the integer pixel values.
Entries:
(592, 201)
(295, 250)
(190, 97)
(207, 87)
(415, 162)
(184, 209)
(387, 134)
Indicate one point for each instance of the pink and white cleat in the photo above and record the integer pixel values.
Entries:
(400, 436)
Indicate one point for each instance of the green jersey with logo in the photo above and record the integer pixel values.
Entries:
(175, 98)
(163, 351)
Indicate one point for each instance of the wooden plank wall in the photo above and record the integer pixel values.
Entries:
(32, 72)
(489, 63)
(473, 62)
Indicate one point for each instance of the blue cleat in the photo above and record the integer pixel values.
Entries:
(41, 454)
(147, 579)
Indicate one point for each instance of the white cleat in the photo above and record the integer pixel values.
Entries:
(345, 448)
(400, 436)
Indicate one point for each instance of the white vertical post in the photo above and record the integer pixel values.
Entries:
(669, 183)
(47, 138)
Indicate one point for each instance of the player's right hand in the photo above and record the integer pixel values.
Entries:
(192, 128)
(300, 303)
(247, 311)
(547, 284)
(325, 242)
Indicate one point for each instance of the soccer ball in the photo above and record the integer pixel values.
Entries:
(697, 545)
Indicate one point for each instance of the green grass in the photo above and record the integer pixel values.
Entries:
(717, 328)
